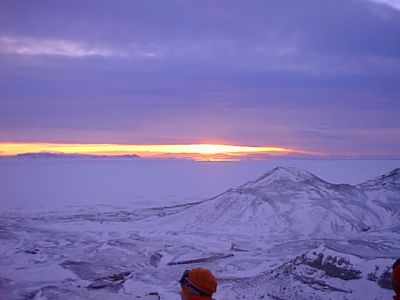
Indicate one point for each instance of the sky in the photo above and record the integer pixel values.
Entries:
(314, 76)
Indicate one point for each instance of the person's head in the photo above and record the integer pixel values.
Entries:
(198, 283)
(396, 277)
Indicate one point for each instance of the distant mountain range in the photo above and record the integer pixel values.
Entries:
(53, 155)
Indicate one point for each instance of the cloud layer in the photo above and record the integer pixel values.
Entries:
(34, 46)
(391, 3)
(320, 75)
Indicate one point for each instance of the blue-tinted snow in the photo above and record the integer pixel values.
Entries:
(47, 184)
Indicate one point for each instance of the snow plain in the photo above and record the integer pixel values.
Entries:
(44, 184)
(126, 229)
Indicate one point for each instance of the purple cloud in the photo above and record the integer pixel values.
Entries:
(256, 73)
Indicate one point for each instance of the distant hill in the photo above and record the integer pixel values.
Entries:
(58, 155)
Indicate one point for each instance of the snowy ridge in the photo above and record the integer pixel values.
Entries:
(383, 194)
(292, 202)
(387, 181)
(323, 272)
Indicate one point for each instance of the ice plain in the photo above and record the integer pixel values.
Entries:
(107, 229)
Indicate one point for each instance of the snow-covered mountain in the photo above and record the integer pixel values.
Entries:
(285, 235)
(290, 202)
(383, 193)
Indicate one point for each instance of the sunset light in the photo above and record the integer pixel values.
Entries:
(215, 152)
(199, 149)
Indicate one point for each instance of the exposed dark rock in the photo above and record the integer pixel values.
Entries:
(33, 251)
(155, 258)
(155, 294)
(318, 284)
(81, 268)
(237, 248)
(373, 275)
(364, 227)
(333, 266)
(113, 282)
(197, 260)
(385, 280)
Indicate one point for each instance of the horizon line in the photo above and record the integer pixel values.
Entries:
(196, 151)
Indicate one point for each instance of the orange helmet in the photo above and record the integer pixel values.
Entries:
(198, 282)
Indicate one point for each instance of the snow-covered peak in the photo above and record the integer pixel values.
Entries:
(393, 175)
(388, 180)
(280, 174)
(284, 200)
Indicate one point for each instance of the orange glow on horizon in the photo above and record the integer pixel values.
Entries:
(194, 151)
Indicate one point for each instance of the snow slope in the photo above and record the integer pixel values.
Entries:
(293, 203)
(285, 235)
